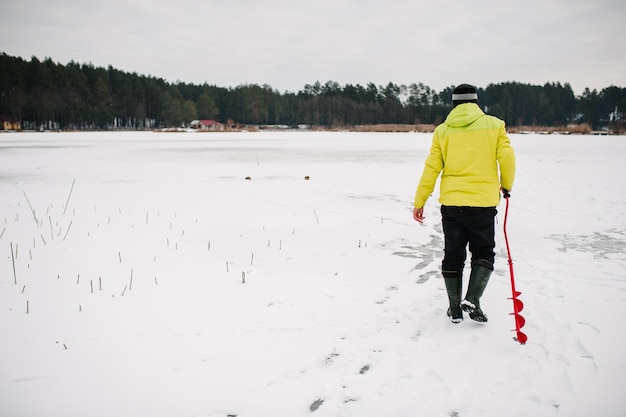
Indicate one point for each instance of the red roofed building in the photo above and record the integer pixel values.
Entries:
(206, 125)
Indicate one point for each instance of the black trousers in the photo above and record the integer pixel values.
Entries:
(468, 225)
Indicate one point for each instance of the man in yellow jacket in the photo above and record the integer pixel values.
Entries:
(473, 154)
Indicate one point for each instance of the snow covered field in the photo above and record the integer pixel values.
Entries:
(142, 274)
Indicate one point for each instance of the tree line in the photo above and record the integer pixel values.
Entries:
(45, 94)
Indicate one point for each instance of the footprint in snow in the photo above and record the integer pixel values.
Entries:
(316, 404)
(391, 291)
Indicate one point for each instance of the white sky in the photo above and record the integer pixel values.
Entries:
(290, 43)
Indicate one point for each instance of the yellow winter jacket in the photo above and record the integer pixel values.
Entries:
(468, 149)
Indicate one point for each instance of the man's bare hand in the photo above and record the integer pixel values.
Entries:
(418, 214)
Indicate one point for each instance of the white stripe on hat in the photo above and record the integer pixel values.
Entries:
(465, 96)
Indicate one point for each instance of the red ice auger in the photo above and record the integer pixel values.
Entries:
(518, 305)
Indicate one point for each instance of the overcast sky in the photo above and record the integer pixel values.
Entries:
(290, 43)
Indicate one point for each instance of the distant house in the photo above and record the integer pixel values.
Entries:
(206, 125)
(9, 123)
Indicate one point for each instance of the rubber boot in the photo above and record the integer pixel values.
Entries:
(454, 287)
(479, 277)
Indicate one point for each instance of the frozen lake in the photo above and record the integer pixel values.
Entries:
(281, 274)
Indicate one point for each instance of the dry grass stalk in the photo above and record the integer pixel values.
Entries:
(68, 197)
(13, 262)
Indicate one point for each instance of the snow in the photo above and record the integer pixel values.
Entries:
(127, 295)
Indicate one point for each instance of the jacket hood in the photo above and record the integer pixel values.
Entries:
(463, 115)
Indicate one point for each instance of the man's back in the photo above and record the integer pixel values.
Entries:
(466, 150)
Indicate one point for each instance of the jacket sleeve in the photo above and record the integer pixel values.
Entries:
(432, 168)
(506, 160)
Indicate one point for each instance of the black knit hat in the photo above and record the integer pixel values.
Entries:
(464, 93)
